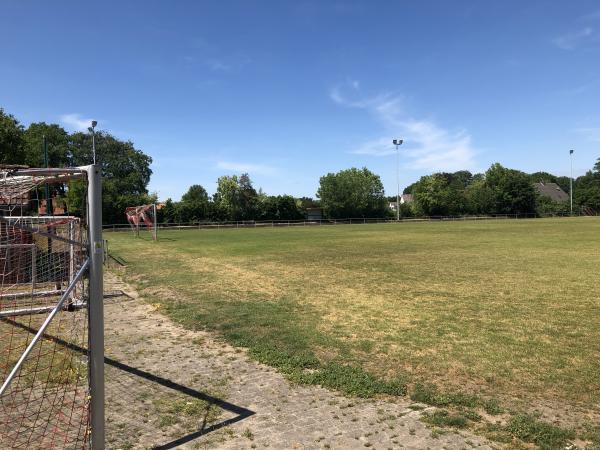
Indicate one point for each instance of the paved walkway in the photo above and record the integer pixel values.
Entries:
(168, 387)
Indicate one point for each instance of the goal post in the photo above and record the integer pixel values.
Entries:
(142, 216)
(51, 312)
(96, 307)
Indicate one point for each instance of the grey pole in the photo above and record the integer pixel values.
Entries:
(94, 145)
(571, 181)
(49, 208)
(155, 222)
(96, 308)
(397, 143)
(92, 130)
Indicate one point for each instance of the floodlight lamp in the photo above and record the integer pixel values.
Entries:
(397, 141)
(94, 123)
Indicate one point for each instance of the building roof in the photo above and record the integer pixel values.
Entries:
(551, 190)
(407, 198)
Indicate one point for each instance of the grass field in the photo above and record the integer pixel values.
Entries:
(507, 311)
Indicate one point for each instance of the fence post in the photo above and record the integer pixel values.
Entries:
(96, 308)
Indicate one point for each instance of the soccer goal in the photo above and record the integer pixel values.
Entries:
(51, 311)
(142, 216)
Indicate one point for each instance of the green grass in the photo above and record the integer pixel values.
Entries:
(443, 418)
(533, 431)
(49, 363)
(504, 310)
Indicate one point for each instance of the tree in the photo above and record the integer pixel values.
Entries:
(194, 205)
(195, 194)
(441, 194)
(167, 214)
(11, 140)
(352, 193)
(125, 172)
(248, 198)
(57, 141)
(545, 206)
(226, 198)
(125, 169)
(280, 207)
(587, 191)
(235, 198)
(511, 190)
(479, 196)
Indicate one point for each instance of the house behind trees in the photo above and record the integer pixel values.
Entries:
(552, 191)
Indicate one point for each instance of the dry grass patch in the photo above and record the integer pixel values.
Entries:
(505, 309)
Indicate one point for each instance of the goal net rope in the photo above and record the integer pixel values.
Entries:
(44, 393)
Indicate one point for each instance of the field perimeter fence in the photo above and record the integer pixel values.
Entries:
(323, 222)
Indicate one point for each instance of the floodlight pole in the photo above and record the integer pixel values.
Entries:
(92, 130)
(397, 143)
(571, 180)
(96, 308)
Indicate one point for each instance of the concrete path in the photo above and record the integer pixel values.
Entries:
(168, 387)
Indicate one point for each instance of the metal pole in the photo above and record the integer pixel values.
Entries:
(94, 145)
(96, 308)
(49, 209)
(398, 184)
(571, 181)
(155, 220)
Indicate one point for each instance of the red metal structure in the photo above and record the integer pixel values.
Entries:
(142, 215)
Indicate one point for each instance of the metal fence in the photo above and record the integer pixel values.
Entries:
(323, 222)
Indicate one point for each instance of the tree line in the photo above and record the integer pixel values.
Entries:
(125, 169)
(349, 193)
(498, 191)
(235, 199)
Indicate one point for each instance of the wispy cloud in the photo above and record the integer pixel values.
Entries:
(427, 145)
(594, 15)
(75, 122)
(589, 133)
(572, 40)
(240, 167)
(580, 89)
(217, 65)
(203, 53)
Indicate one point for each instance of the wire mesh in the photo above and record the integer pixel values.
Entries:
(46, 403)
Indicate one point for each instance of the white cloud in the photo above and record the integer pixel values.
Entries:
(75, 122)
(427, 146)
(240, 167)
(570, 41)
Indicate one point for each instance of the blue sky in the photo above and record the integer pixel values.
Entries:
(289, 91)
